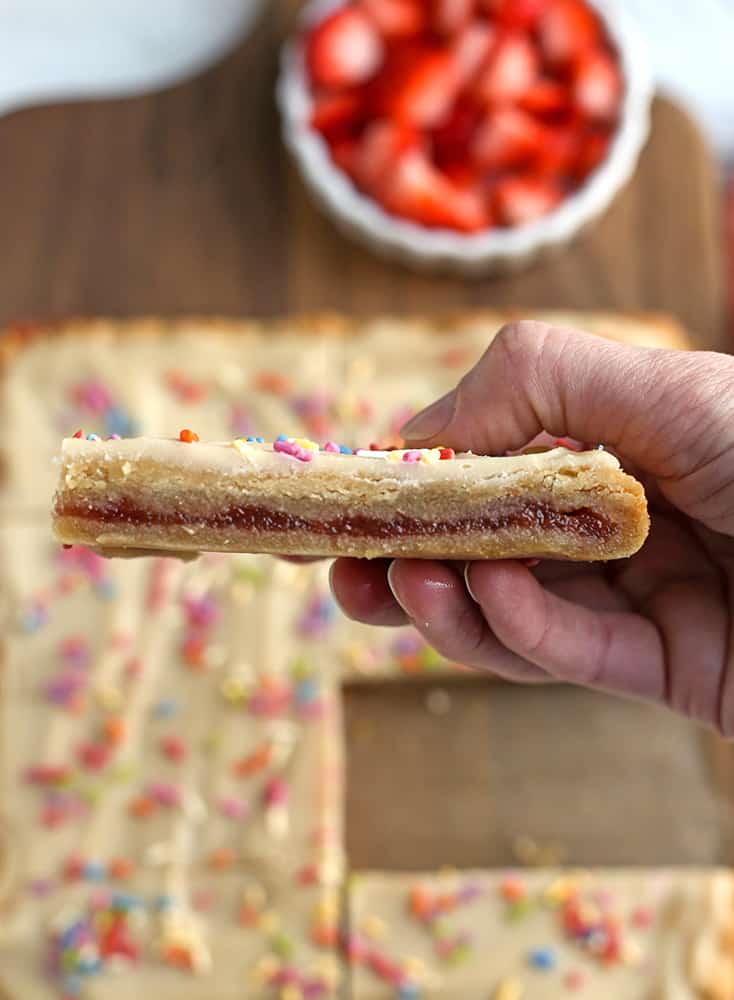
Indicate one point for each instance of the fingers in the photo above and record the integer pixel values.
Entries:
(536, 377)
(435, 600)
(362, 591)
(611, 650)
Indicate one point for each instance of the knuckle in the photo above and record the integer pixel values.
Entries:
(519, 344)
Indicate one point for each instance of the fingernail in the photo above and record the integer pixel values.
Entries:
(467, 581)
(393, 588)
(431, 421)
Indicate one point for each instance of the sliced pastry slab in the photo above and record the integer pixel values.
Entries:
(293, 497)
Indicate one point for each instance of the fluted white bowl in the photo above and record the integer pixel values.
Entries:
(440, 249)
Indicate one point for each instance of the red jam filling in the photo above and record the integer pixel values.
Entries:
(582, 521)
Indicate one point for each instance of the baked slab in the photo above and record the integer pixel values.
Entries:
(292, 497)
(170, 758)
(141, 810)
(614, 934)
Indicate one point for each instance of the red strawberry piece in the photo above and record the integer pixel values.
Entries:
(344, 49)
(558, 152)
(344, 154)
(471, 49)
(383, 144)
(397, 18)
(506, 138)
(448, 16)
(519, 200)
(593, 148)
(568, 28)
(426, 88)
(451, 141)
(546, 98)
(463, 176)
(521, 14)
(419, 191)
(512, 69)
(597, 85)
(337, 111)
(472, 181)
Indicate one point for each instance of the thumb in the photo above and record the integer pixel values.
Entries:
(669, 412)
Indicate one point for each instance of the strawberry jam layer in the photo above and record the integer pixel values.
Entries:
(538, 516)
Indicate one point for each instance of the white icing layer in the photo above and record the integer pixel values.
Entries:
(234, 458)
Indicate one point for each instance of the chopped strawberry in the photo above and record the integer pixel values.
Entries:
(519, 200)
(522, 14)
(397, 18)
(464, 176)
(381, 147)
(453, 138)
(344, 153)
(546, 98)
(337, 111)
(471, 48)
(426, 88)
(449, 16)
(512, 69)
(558, 152)
(416, 190)
(507, 138)
(568, 28)
(593, 148)
(597, 85)
(473, 182)
(343, 49)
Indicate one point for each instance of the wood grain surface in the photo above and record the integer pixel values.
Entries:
(184, 201)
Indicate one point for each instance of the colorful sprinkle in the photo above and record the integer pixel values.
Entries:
(320, 613)
(299, 451)
(164, 794)
(166, 708)
(543, 958)
(188, 436)
(255, 762)
(574, 980)
(642, 918)
(274, 382)
(235, 808)
(174, 747)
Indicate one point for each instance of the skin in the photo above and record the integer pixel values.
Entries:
(659, 625)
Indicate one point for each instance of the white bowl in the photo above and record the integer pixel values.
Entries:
(442, 249)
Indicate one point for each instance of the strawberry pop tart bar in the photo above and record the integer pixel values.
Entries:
(293, 497)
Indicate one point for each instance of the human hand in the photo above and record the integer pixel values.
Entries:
(659, 625)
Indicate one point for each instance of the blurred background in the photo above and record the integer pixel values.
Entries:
(182, 198)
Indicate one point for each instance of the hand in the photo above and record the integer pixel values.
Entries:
(659, 625)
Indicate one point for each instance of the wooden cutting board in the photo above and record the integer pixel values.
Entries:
(185, 202)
